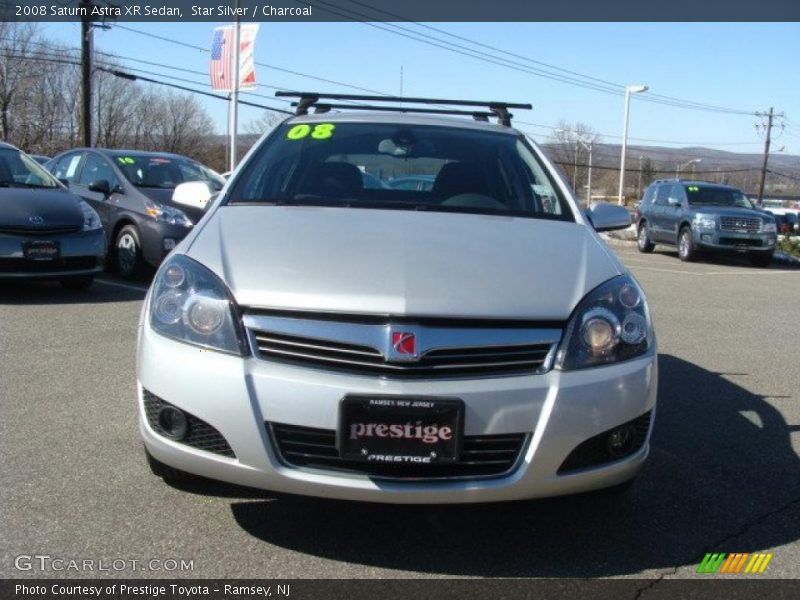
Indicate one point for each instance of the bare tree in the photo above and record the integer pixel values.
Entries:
(264, 123)
(570, 150)
(17, 41)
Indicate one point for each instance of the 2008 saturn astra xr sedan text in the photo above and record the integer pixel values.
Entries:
(474, 341)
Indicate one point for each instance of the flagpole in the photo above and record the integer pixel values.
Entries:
(234, 103)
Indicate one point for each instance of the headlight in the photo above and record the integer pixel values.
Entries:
(769, 227)
(191, 304)
(91, 220)
(167, 214)
(610, 324)
(702, 221)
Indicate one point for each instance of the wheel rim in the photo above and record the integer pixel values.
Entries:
(126, 253)
(642, 237)
(684, 245)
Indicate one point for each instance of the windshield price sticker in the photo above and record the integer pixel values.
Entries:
(323, 131)
(126, 160)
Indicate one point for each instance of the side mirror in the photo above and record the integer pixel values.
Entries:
(101, 186)
(608, 217)
(673, 202)
(194, 194)
(64, 182)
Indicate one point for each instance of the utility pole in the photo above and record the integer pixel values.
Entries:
(87, 43)
(233, 115)
(768, 127)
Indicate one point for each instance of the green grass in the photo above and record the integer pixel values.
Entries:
(791, 247)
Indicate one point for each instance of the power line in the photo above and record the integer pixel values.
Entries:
(117, 72)
(306, 75)
(351, 86)
(595, 83)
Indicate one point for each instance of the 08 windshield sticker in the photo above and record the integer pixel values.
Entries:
(322, 131)
(693, 188)
(125, 160)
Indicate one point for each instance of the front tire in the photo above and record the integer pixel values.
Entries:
(128, 253)
(762, 259)
(78, 283)
(643, 239)
(686, 248)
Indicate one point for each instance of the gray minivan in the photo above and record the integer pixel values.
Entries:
(698, 216)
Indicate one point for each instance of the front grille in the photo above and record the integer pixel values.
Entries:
(481, 360)
(33, 232)
(594, 451)
(60, 265)
(481, 456)
(199, 435)
(750, 225)
(725, 241)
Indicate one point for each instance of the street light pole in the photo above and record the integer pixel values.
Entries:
(631, 89)
(639, 184)
(587, 143)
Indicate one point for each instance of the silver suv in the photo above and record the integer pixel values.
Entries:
(469, 342)
(697, 216)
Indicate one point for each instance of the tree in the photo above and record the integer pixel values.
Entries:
(17, 41)
(264, 123)
(571, 153)
(648, 172)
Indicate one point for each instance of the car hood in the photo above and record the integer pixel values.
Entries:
(37, 208)
(402, 262)
(744, 213)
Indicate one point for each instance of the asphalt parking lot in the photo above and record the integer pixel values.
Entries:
(723, 474)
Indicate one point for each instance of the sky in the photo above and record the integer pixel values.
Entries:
(744, 66)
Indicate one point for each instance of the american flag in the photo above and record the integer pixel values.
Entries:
(220, 65)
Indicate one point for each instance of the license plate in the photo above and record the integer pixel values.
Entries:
(404, 430)
(41, 250)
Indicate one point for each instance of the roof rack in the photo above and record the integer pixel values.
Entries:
(307, 100)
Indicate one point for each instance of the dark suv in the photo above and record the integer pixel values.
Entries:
(697, 216)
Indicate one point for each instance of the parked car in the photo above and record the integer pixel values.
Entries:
(462, 344)
(132, 191)
(788, 220)
(698, 217)
(46, 232)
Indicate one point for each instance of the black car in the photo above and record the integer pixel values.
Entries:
(132, 192)
(46, 232)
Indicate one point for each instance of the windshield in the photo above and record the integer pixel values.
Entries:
(714, 196)
(164, 171)
(400, 167)
(20, 170)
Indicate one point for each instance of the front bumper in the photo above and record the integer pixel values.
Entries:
(237, 396)
(82, 253)
(734, 241)
(154, 235)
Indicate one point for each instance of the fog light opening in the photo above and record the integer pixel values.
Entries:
(173, 422)
(706, 237)
(620, 441)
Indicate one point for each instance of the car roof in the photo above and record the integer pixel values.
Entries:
(117, 152)
(706, 184)
(397, 118)
(8, 146)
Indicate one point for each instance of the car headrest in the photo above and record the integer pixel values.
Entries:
(337, 179)
(456, 178)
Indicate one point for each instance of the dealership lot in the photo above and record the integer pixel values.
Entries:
(723, 475)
